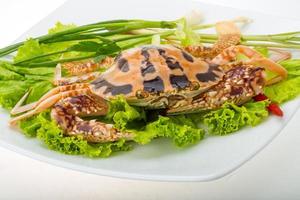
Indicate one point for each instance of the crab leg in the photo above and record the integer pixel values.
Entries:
(239, 84)
(67, 111)
(271, 66)
(278, 55)
(255, 58)
(228, 35)
(76, 79)
(86, 66)
(18, 108)
(47, 103)
(60, 89)
(59, 80)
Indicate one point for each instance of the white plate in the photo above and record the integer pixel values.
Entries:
(213, 157)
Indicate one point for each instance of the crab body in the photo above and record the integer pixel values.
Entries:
(156, 76)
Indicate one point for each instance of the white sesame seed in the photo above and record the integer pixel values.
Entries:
(212, 93)
(240, 82)
(224, 98)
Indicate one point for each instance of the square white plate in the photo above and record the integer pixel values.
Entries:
(212, 158)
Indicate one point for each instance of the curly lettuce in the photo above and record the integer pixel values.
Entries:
(122, 114)
(180, 129)
(230, 118)
(287, 89)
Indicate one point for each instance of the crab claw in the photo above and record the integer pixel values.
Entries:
(228, 35)
(278, 55)
(46, 101)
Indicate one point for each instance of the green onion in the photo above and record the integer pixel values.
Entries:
(106, 28)
(124, 34)
(283, 40)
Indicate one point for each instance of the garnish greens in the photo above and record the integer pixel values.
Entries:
(32, 68)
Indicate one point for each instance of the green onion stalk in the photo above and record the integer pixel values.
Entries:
(106, 28)
(289, 40)
(128, 33)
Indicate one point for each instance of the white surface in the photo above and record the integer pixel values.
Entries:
(212, 158)
(274, 173)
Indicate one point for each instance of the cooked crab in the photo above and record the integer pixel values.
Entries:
(155, 77)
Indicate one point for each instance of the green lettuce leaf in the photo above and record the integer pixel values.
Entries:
(38, 90)
(287, 89)
(29, 49)
(32, 48)
(291, 64)
(59, 46)
(11, 91)
(40, 71)
(283, 91)
(263, 50)
(122, 114)
(231, 118)
(180, 129)
(15, 81)
(60, 27)
(6, 74)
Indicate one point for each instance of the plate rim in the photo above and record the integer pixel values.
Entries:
(145, 177)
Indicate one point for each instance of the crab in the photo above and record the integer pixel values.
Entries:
(155, 77)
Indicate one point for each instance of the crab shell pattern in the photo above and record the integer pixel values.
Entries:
(148, 74)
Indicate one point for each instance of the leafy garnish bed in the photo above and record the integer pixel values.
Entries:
(183, 130)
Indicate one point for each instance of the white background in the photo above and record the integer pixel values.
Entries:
(272, 174)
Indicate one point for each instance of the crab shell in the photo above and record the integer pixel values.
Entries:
(156, 76)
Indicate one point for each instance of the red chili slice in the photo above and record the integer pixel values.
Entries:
(275, 109)
(260, 97)
(272, 107)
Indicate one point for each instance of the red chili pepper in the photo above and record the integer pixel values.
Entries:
(260, 97)
(272, 107)
(275, 109)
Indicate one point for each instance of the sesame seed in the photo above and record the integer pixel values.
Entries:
(240, 82)
(212, 93)
(224, 98)
(227, 87)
